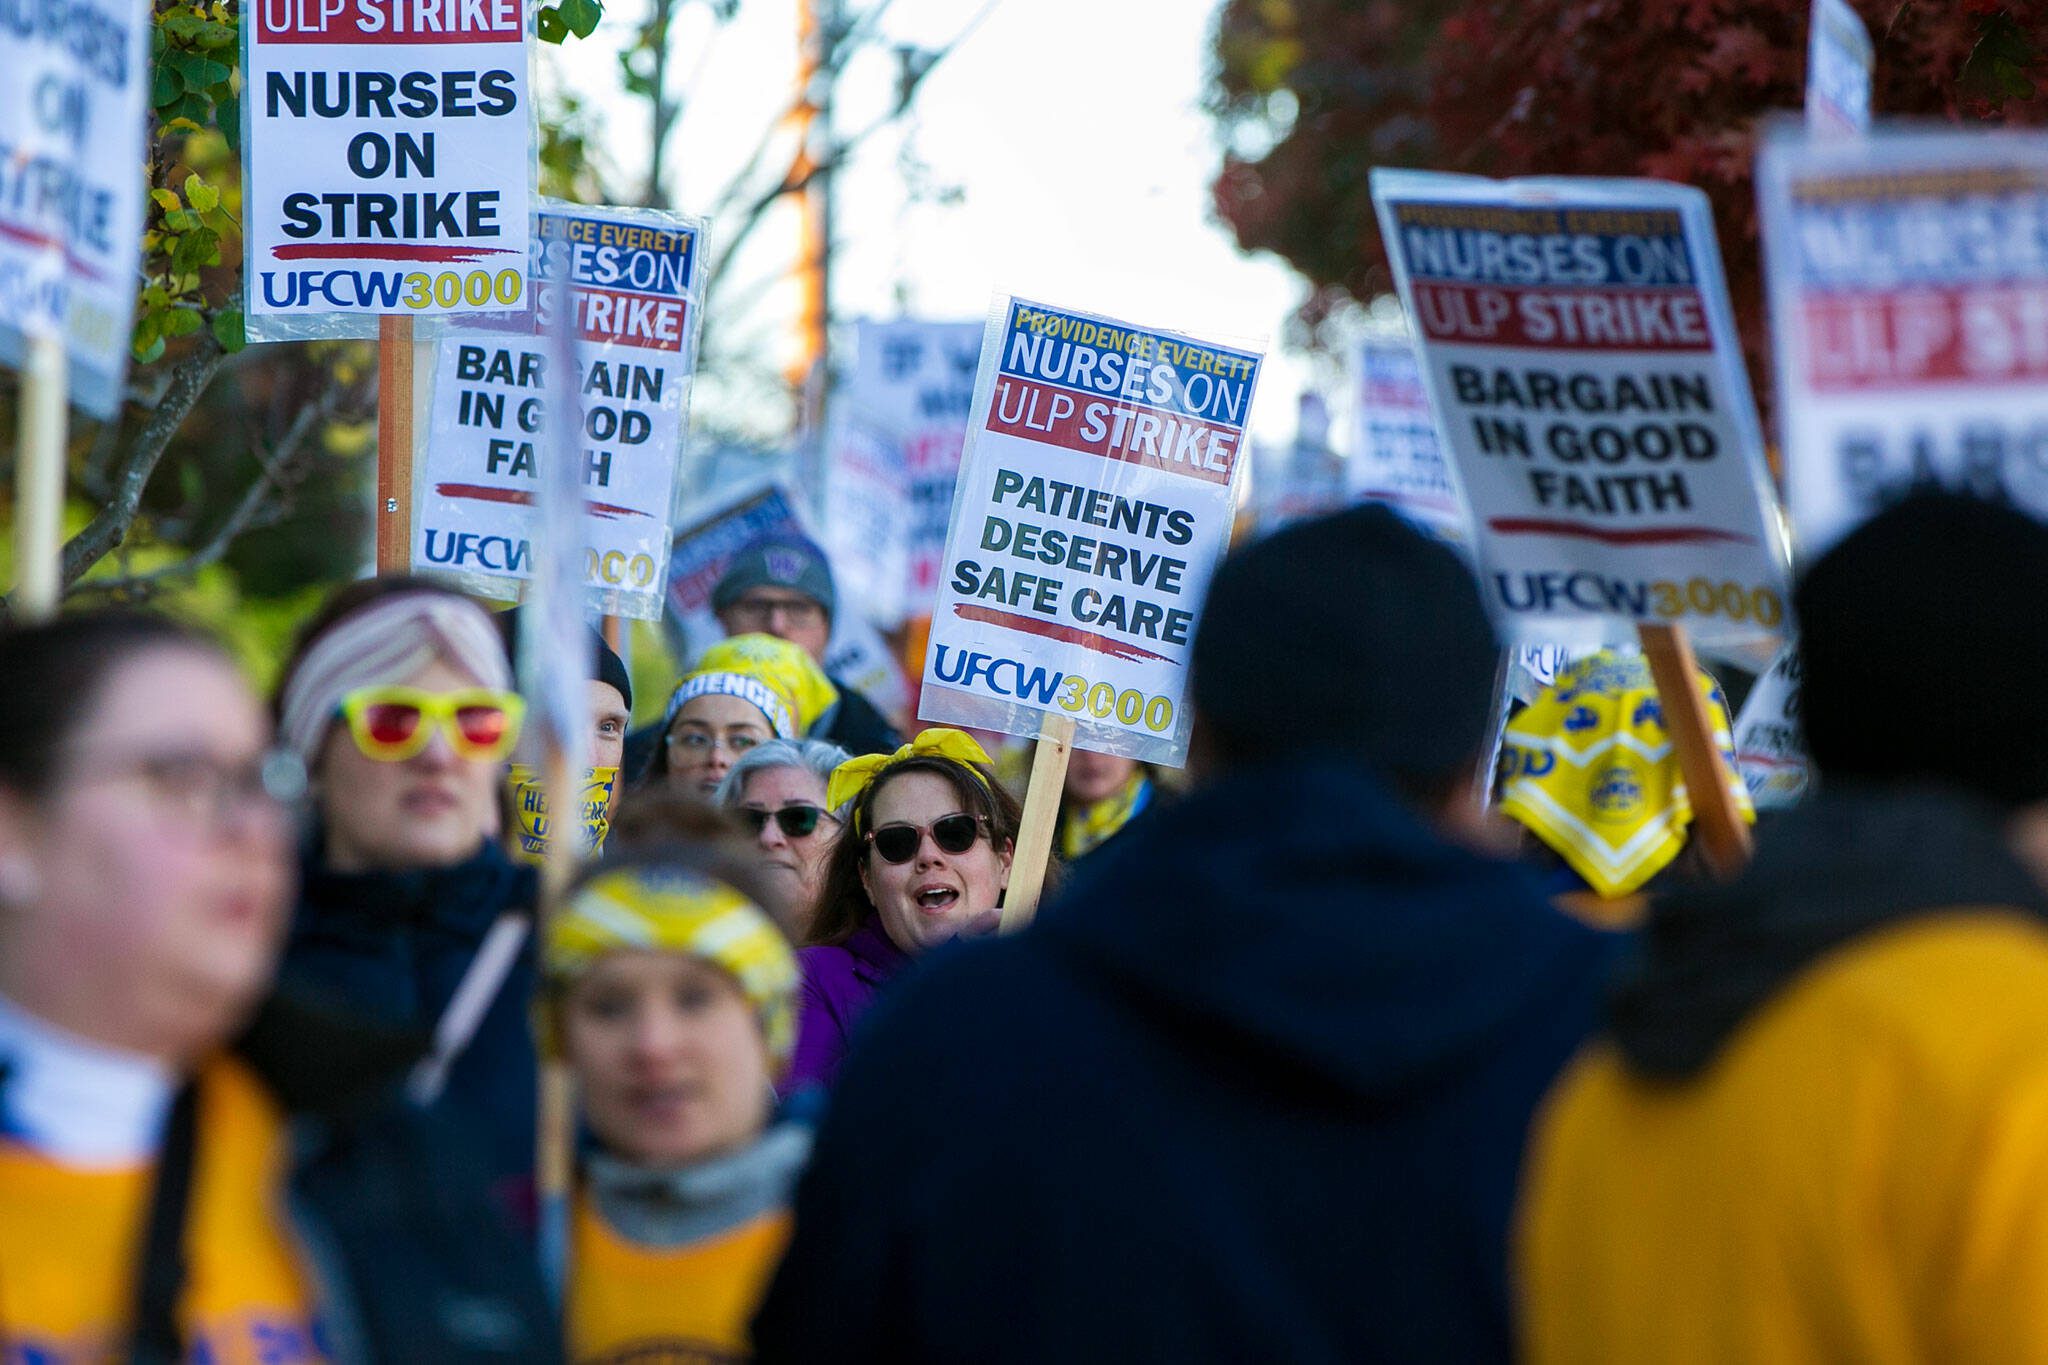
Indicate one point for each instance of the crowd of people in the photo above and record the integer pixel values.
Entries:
(1348, 1044)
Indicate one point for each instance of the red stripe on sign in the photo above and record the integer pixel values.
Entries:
(1053, 630)
(1562, 318)
(1114, 431)
(647, 321)
(1646, 535)
(1981, 334)
(477, 492)
(45, 242)
(385, 251)
(388, 22)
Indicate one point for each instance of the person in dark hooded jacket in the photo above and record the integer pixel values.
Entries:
(1256, 1087)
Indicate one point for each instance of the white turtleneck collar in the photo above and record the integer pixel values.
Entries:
(77, 1102)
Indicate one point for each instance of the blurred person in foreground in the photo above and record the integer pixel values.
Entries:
(399, 701)
(672, 997)
(923, 857)
(744, 692)
(1816, 1128)
(777, 790)
(189, 1171)
(782, 585)
(1589, 770)
(1258, 1089)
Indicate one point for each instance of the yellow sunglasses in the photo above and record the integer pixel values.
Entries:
(391, 724)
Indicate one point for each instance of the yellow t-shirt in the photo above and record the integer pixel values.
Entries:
(681, 1304)
(1861, 1174)
(69, 1238)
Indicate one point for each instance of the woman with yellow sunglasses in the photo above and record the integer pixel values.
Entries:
(399, 700)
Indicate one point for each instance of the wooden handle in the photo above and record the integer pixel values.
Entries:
(394, 443)
(1716, 821)
(1041, 814)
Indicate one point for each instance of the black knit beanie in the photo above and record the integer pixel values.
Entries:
(605, 664)
(1352, 634)
(1925, 648)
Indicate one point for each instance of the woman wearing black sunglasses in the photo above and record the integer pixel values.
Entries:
(923, 856)
(777, 789)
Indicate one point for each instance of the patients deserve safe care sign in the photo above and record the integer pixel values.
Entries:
(1095, 498)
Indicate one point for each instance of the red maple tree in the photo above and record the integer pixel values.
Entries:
(1310, 94)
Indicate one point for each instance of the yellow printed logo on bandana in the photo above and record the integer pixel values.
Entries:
(1589, 769)
(530, 811)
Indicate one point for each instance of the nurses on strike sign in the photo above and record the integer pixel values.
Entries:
(389, 155)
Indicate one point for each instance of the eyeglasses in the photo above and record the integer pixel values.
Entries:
(952, 833)
(392, 724)
(754, 615)
(698, 742)
(796, 822)
(203, 789)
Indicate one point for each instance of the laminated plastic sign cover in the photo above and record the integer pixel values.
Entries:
(388, 159)
(1908, 277)
(1770, 741)
(1588, 384)
(625, 283)
(1839, 61)
(1095, 498)
(73, 99)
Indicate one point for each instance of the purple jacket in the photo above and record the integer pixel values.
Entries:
(840, 981)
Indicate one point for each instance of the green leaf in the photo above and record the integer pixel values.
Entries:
(148, 342)
(229, 331)
(181, 220)
(228, 118)
(200, 195)
(181, 322)
(198, 72)
(213, 36)
(582, 15)
(166, 87)
(183, 26)
(550, 26)
(195, 250)
(165, 199)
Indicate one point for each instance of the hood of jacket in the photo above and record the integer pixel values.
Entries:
(1851, 860)
(1298, 914)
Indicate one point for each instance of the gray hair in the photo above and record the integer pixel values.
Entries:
(819, 756)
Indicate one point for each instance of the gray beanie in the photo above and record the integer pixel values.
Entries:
(777, 561)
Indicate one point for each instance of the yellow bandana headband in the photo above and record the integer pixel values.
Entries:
(1591, 771)
(771, 673)
(673, 910)
(856, 775)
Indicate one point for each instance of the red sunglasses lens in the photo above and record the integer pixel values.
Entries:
(482, 726)
(391, 722)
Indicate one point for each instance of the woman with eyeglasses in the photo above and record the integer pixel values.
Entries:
(744, 691)
(923, 857)
(399, 700)
(777, 790)
(191, 1169)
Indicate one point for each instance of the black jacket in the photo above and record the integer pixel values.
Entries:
(393, 946)
(411, 1258)
(1255, 1088)
(856, 725)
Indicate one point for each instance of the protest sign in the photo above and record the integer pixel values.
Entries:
(867, 516)
(388, 153)
(534, 830)
(1770, 744)
(1095, 498)
(1585, 370)
(911, 386)
(73, 103)
(629, 289)
(1908, 279)
(1397, 460)
(1839, 61)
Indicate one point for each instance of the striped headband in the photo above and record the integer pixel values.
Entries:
(770, 702)
(386, 642)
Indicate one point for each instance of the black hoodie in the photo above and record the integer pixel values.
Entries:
(1256, 1088)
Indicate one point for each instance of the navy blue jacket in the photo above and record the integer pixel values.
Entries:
(393, 946)
(1255, 1088)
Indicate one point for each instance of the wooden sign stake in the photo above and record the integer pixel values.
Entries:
(394, 443)
(1718, 824)
(1041, 814)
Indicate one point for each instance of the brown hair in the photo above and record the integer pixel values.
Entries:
(843, 904)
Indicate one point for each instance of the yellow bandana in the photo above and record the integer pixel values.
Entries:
(1591, 771)
(856, 775)
(530, 811)
(678, 911)
(1084, 829)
